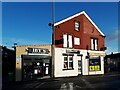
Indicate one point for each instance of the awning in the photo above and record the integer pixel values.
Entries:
(36, 57)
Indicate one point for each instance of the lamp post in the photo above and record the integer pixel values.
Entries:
(14, 46)
(53, 39)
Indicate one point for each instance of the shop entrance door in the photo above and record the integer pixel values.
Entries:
(79, 67)
(80, 64)
(46, 69)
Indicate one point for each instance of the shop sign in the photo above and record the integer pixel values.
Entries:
(97, 54)
(73, 51)
(38, 50)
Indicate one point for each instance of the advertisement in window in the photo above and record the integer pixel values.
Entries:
(94, 64)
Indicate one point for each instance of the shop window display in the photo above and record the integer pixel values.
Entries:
(94, 64)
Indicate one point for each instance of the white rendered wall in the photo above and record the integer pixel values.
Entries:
(59, 62)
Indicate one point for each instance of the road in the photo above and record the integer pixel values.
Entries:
(106, 82)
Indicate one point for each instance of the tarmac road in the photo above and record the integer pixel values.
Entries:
(107, 82)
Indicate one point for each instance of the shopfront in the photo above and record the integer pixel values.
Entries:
(96, 63)
(68, 62)
(73, 62)
(33, 62)
(35, 66)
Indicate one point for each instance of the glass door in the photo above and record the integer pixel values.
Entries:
(46, 69)
(79, 66)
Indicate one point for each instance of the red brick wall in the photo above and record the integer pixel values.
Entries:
(91, 32)
(87, 30)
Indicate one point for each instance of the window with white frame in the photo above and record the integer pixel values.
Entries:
(70, 41)
(77, 41)
(68, 62)
(67, 41)
(94, 43)
(65, 62)
(77, 25)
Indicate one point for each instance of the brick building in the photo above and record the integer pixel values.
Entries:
(79, 50)
(79, 47)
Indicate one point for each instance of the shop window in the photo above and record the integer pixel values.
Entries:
(94, 44)
(71, 62)
(68, 62)
(77, 25)
(94, 64)
(65, 62)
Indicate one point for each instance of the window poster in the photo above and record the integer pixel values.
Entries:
(94, 64)
(35, 71)
(46, 71)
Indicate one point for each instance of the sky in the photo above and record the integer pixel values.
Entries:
(60, 0)
(26, 23)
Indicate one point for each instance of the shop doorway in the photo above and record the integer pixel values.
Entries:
(80, 64)
(46, 69)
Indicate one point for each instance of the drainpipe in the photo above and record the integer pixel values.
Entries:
(88, 56)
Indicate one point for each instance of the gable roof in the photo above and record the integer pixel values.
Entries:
(83, 12)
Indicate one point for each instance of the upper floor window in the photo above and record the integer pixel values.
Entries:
(77, 25)
(77, 41)
(67, 41)
(94, 43)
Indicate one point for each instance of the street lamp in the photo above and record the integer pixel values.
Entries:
(53, 39)
(14, 46)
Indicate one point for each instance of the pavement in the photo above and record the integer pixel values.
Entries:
(108, 81)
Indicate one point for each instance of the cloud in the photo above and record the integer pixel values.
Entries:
(112, 39)
(112, 36)
(110, 49)
(60, 0)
